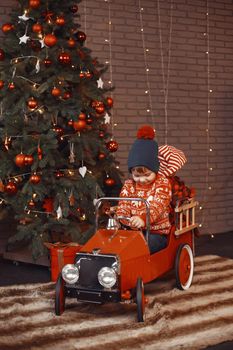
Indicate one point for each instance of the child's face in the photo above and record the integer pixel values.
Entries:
(143, 175)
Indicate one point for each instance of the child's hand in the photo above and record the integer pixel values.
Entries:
(110, 210)
(137, 222)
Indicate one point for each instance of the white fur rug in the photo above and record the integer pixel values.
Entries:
(175, 319)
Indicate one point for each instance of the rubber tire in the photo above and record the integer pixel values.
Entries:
(140, 300)
(59, 296)
(184, 267)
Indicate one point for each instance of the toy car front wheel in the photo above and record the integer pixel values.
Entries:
(59, 296)
(184, 267)
(140, 300)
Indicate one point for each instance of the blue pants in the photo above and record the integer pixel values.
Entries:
(156, 242)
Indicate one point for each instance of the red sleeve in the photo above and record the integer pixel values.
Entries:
(161, 200)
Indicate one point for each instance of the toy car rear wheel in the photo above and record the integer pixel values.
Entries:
(184, 267)
(140, 300)
(59, 296)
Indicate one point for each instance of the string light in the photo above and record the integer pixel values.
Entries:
(209, 148)
(147, 70)
(85, 18)
(165, 79)
(109, 62)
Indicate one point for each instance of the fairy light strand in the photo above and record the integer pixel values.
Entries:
(109, 62)
(165, 79)
(147, 70)
(85, 19)
(209, 91)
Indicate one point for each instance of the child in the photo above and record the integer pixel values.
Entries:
(148, 183)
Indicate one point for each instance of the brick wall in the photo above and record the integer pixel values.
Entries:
(188, 93)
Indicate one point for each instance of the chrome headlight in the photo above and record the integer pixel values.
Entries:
(70, 273)
(107, 277)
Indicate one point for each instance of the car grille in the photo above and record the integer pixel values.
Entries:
(89, 266)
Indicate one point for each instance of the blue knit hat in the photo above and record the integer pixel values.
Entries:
(144, 151)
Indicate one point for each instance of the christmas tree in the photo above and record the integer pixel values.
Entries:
(57, 155)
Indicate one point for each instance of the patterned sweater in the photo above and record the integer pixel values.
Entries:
(158, 194)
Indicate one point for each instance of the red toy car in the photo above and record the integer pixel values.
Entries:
(115, 263)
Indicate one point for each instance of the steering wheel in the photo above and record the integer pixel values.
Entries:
(123, 217)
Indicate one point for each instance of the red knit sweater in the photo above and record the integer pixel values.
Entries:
(158, 194)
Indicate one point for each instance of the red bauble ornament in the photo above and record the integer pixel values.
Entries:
(74, 8)
(11, 86)
(47, 62)
(70, 122)
(80, 36)
(11, 188)
(35, 179)
(109, 182)
(101, 134)
(34, 4)
(64, 58)
(67, 95)
(56, 92)
(59, 174)
(71, 43)
(101, 156)
(99, 107)
(50, 40)
(58, 130)
(112, 146)
(19, 160)
(32, 103)
(60, 21)
(88, 74)
(28, 159)
(48, 16)
(109, 102)
(37, 28)
(82, 74)
(1, 84)
(2, 55)
(79, 125)
(31, 204)
(89, 120)
(48, 205)
(7, 27)
(82, 116)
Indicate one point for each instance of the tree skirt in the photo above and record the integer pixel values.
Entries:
(175, 319)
